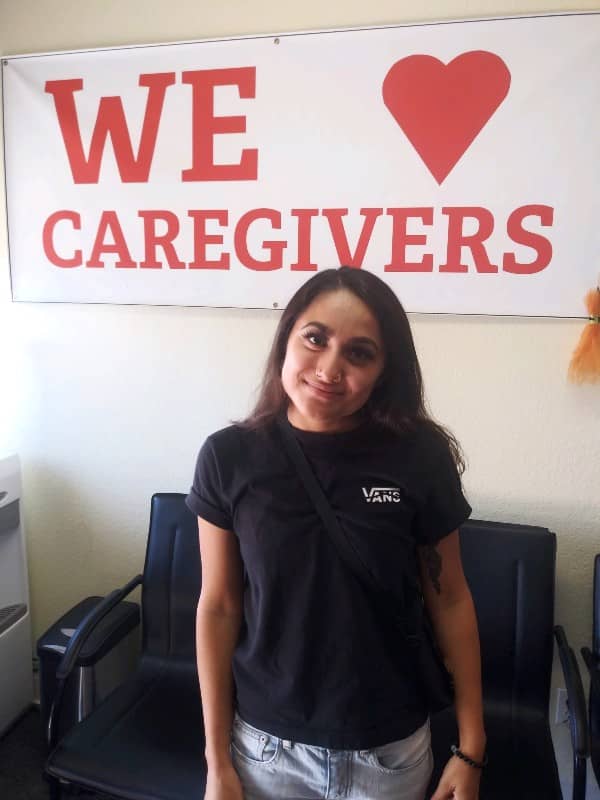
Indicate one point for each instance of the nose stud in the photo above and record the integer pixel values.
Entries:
(336, 379)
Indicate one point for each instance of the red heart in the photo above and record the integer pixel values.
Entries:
(441, 108)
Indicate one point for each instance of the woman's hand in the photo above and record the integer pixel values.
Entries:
(459, 781)
(223, 784)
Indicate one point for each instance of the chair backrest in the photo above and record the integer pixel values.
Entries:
(510, 570)
(593, 664)
(596, 609)
(172, 579)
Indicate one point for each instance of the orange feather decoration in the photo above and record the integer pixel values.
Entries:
(585, 362)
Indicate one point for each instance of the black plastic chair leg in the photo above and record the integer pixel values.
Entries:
(579, 778)
(55, 788)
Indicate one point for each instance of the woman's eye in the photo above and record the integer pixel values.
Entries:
(361, 354)
(314, 338)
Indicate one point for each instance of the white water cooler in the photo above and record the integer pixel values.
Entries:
(16, 679)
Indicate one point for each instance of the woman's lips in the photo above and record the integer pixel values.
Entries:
(322, 391)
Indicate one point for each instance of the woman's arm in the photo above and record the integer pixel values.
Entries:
(450, 605)
(218, 621)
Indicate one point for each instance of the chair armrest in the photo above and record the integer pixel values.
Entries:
(69, 658)
(578, 724)
(593, 666)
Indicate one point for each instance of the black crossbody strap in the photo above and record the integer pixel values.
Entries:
(343, 545)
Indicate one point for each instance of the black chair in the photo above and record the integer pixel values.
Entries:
(592, 661)
(580, 739)
(145, 741)
(511, 571)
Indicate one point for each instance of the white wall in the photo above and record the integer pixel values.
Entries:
(107, 404)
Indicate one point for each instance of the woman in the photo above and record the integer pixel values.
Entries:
(307, 688)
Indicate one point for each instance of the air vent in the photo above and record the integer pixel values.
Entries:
(10, 614)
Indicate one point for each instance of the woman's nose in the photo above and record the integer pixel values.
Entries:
(329, 368)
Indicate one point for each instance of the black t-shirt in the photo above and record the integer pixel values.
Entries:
(316, 661)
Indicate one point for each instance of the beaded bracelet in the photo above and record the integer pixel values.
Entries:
(459, 754)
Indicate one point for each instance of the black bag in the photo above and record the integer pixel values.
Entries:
(434, 679)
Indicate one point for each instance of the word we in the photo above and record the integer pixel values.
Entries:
(111, 121)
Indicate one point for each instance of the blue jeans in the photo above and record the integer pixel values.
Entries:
(271, 768)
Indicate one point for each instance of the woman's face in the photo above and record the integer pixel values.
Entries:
(333, 359)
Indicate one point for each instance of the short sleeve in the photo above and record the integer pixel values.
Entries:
(443, 507)
(206, 498)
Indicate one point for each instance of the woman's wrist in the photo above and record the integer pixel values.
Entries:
(473, 763)
(473, 747)
(217, 759)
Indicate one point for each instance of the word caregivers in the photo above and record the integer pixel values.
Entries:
(307, 234)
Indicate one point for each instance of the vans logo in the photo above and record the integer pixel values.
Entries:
(382, 494)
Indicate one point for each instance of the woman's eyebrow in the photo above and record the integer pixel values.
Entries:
(320, 325)
(328, 331)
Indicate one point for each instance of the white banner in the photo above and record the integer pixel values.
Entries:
(458, 161)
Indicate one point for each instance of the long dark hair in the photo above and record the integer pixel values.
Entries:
(397, 401)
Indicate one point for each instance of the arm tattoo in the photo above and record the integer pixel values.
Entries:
(433, 562)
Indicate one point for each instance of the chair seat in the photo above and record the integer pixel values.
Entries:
(522, 764)
(112, 750)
